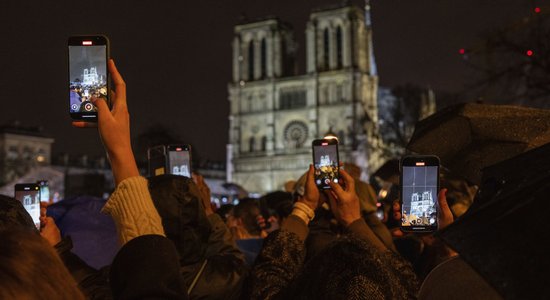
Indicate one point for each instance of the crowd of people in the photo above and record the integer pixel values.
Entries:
(301, 244)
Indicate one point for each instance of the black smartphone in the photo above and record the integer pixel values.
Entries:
(44, 190)
(29, 195)
(156, 157)
(419, 190)
(88, 75)
(179, 160)
(325, 162)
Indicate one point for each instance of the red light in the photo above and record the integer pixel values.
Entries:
(537, 10)
(529, 53)
(178, 149)
(420, 163)
(86, 43)
(462, 51)
(324, 144)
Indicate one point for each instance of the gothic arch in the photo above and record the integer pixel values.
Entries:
(326, 49)
(339, 47)
(251, 60)
(263, 57)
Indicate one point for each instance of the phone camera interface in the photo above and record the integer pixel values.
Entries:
(419, 196)
(326, 165)
(88, 77)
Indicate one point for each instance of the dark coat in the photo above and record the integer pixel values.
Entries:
(200, 240)
(348, 268)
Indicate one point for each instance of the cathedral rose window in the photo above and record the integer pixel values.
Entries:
(295, 133)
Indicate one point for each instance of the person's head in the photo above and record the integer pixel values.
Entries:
(246, 213)
(31, 269)
(177, 200)
(225, 211)
(14, 215)
(278, 203)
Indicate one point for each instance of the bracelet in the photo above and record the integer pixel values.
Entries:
(302, 207)
(300, 214)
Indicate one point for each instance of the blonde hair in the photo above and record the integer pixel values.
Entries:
(31, 269)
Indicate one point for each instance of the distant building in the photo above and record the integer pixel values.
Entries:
(22, 149)
(90, 77)
(422, 205)
(275, 114)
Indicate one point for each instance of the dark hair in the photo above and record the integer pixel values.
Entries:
(14, 215)
(247, 210)
(225, 210)
(31, 269)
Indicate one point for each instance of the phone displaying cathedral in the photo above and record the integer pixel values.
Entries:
(276, 113)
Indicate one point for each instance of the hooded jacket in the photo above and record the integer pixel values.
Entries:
(211, 264)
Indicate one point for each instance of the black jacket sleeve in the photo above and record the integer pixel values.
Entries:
(93, 283)
(225, 270)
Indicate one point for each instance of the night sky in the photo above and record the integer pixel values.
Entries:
(176, 56)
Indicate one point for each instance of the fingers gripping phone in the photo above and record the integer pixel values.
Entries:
(419, 192)
(29, 195)
(325, 162)
(88, 75)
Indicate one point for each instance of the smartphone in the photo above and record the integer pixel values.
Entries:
(325, 162)
(179, 160)
(419, 190)
(44, 190)
(156, 157)
(29, 195)
(88, 75)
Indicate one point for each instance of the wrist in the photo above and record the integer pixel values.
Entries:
(348, 220)
(303, 211)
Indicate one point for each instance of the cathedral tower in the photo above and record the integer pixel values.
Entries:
(276, 114)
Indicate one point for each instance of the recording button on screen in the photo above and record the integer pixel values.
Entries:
(88, 107)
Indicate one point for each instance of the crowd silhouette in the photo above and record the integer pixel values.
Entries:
(305, 243)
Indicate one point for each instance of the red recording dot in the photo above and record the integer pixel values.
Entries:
(537, 9)
(462, 51)
(529, 52)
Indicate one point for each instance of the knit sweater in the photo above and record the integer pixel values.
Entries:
(133, 211)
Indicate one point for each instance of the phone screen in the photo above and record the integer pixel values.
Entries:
(29, 195)
(419, 196)
(44, 191)
(179, 161)
(87, 75)
(325, 161)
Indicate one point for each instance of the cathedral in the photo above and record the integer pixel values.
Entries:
(275, 113)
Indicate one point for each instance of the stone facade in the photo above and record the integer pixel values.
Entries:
(21, 151)
(275, 114)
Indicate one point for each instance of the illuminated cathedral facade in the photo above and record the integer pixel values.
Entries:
(275, 113)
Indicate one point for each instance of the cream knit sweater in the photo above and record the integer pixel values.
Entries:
(133, 211)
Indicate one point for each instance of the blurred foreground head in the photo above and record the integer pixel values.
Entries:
(349, 268)
(30, 268)
(13, 215)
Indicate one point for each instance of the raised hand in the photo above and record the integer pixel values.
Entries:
(344, 202)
